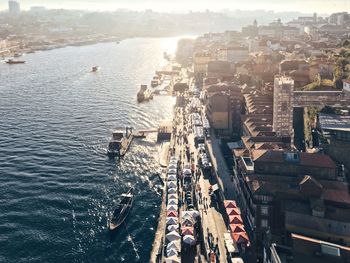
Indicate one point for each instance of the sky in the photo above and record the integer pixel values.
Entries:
(304, 6)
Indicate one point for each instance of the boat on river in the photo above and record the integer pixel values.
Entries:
(120, 142)
(11, 61)
(95, 69)
(122, 210)
(144, 94)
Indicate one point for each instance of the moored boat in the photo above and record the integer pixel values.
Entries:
(11, 61)
(120, 142)
(144, 93)
(122, 210)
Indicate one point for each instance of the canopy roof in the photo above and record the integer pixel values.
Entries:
(173, 235)
(230, 204)
(172, 171)
(171, 214)
(172, 190)
(171, 221)
(240, 238)
(173, 228)
(189, 239)
(187, 231)
(172, 196)
(176, 244)
(237, 219)
(171, 252)
(237, 228)
(172, 177)
(233, 211)
(172, 202)
(172, 208)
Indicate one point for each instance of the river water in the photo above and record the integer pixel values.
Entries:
(57, 186)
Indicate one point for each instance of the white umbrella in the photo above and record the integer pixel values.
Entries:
(172, 259)
(172, 177)
(173, 196)
(171, 208)
(174, 245)
(173, 235)
(172, 171)
(171, 252)
(186, 214)
(171, 220)
(173, 159)
(190, 214)
(173, 228)
(172, 166)
(172, 184)
(188, 239)
(187, 172)
(172, 162)
(187, 222)
(172, 202)
(172, 190)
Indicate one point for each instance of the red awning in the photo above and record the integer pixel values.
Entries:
(240, 238)
(237, 228)
(233, 211)
(187, 231)
(171, 214)
(230, 204)
(236, 219)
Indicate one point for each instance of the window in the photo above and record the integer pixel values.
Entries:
(264, 223)
(264, 210)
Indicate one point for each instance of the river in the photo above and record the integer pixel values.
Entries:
(57, 186)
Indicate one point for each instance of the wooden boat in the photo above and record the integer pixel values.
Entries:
(11, 61)
(122, 210)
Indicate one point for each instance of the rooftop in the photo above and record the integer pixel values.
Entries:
(334, 122)
(300, 158)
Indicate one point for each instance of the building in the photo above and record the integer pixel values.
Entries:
(283, 106)
(233, 54)
(334, 132)
(277, 30)
(220, 70)
(223, 108)
(14, 7)
(286, 193)
(200, 63)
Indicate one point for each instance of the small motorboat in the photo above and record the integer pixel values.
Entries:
(122, 210)
(95, 69)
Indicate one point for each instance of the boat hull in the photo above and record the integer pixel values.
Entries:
(127, 203)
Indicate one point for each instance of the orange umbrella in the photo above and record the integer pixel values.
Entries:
(237, 228)
(187, 231)
(171, 214)
(233, 211)
(240, 238)
(236, 219)
(230, 204)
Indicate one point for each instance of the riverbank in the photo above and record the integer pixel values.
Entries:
(49, 45)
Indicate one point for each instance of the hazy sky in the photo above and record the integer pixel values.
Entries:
(306, 6)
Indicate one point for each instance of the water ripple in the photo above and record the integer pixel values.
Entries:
(57, 186)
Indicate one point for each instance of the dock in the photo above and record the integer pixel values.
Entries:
(157, 248)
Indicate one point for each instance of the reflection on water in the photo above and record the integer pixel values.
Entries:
(57, 186)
